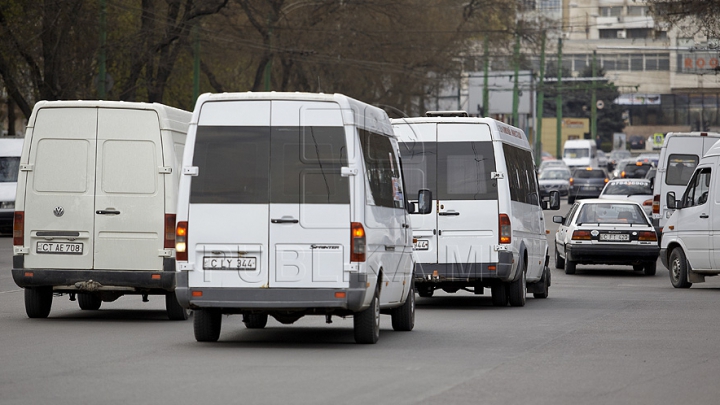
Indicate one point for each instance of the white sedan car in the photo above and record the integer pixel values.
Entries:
(638, 190)
(606, 232)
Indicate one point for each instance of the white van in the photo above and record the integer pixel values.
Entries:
(292, 204)
(96, 199)
(690, 245)
(487, 227)
(10, 149)
(679, 155)
(580, 153)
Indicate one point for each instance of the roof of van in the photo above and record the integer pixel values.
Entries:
(11, 146)
(697, 134)
(573, 142)
(356, 112)
(170, 117)
(507, 132)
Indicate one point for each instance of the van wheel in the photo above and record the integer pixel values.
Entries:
(89, 302)
(499, 295)
(570, 267)
(206, 325)
(38, 302)
(679, 269)
(544, 283)
(650, 269)
(559, 261)
(517, 290)
(174, 311)
(366, 324)
(255, 321)
(403, 317)
(426, 291)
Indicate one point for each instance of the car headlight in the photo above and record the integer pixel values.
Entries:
(8, 205)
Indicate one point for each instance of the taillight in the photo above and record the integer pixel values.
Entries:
(357, 242)
(181, 241)
(647, 203)
(656, 204)
(18, 228)
(505, 229)
(622, 174)
(571, 181)
(647, 236)
(169, 231)
(581, 235)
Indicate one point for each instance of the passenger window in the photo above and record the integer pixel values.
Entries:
(382, 171)
(419, 162)
(521, 175)
(698, 188)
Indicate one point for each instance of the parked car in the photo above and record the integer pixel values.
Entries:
(554, 179)
(636, 170)
(587, 183)
(616, 156)
(620, 166)
(637, 142)
(637, 190)
(606, 232)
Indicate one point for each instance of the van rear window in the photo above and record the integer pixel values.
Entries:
(680, 168)
(256, 165)
(451, 170)
(9, 167)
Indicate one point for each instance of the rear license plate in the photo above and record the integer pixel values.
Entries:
(229, 263)
(615, 237)
(421, 244)
(59, 248)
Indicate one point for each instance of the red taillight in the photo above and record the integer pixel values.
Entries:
(656, 204)
(181, 241)
(169, 231)
(505, 229)
(647, 203)
(357, 242)
(647, 236)
(581, 235)
(571, 181)
(18, 228)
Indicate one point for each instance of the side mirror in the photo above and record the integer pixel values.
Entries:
(554, 200)
(424, 201)
(670, 200)
(558, 219)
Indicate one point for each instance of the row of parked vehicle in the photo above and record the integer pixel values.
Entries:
(274, 205)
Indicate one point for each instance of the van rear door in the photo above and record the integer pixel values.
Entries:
(467, 196)
(60, 189)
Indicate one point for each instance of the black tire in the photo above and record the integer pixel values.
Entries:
(650, 269)
(571, 200)
(638, 267)
(545, 283)
(679, 269)
(517, 290)
(426, 291)
(206, 325)
(403, 317)
(366, 324)
(38, 302)
(88, 302)
(499, 295)
(255, 321)
(559, 261)
(570, 267)
(174, 311)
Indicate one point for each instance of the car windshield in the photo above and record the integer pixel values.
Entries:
(555, 175)
(629, 188)
(611, 213)
(589, 174)
(576, 153)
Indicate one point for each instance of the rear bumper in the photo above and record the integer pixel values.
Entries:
(239, 299)
(465, 272)
(615, 254)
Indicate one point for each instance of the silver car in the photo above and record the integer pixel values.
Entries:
(638, 190)
(554, 179)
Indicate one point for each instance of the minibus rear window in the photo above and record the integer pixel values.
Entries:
(9, 167)
(680, 168)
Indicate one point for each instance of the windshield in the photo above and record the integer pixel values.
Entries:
(626, 188)
(9, 169)
(576, 153)
(612, 213)
(555, 175)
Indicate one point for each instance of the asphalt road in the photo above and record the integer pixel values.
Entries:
(606, 335)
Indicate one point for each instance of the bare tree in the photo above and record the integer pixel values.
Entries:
(699, 16)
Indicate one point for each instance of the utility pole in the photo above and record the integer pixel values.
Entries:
(558, 103)
(516, 89)
(540, 101)
(101, 57)
(196, 63)
(593, 99)
(486, 90)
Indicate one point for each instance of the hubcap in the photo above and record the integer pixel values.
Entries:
(377, 314)
(676, 269)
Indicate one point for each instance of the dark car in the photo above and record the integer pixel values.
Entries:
(587, 183)
(638, 170)
(637, 142)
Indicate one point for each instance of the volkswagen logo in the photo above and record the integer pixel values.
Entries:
(58, 211)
